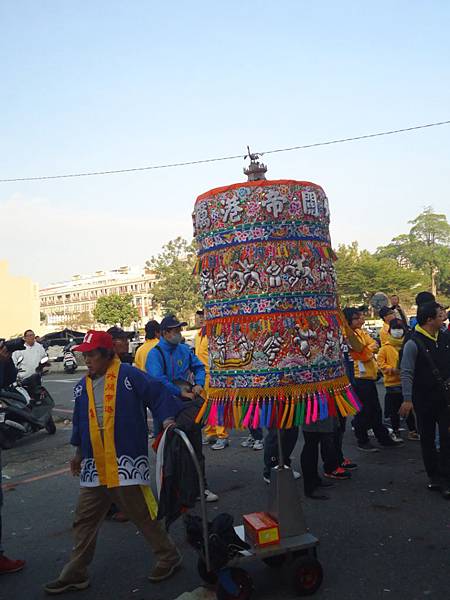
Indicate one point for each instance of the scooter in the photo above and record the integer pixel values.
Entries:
(26, 407)
(69, 361)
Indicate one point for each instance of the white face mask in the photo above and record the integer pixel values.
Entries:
(397, 333)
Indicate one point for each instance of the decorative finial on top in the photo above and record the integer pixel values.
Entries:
(256, 170)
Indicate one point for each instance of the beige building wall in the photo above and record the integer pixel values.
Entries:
(19, 303)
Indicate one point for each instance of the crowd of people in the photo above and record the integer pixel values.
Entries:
(110, 431)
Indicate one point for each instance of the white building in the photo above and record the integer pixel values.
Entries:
(63, 302)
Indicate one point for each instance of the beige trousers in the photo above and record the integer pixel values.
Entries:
(93, 505)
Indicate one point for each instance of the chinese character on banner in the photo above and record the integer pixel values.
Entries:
(310, 205)
(273, 203)
(230, 210)
(202, 220)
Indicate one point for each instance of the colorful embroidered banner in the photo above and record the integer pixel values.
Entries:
(274, 328)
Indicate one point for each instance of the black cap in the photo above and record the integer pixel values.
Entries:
(384, 311)
(170, 322)
(117, 333)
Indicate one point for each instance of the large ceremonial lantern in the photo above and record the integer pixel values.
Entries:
(268, 281)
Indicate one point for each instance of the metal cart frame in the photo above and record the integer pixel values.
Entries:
(296, 543)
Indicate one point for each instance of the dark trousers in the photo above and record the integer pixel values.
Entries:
(370, 416)
(257, 434)
(338, 437)
(437, 464)
(195, 437)
(392, 402)
(288, 440)
(309, 458)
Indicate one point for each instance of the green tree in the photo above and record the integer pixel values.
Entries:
(426, 247)
(82, 320)
(361, 274)
(115, 308)
(177, 289)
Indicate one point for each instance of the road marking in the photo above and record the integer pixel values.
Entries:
(13, 484)
(64, 410)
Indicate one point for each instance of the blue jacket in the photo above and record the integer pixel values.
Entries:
(179, 362)
(136, 391)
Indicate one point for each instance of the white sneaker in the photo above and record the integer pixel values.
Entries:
(266, 479)
(397, 439)
(248, 442)
(296, 474)
(210, 496)
(220, 444)
(370, 433)
(258, 445)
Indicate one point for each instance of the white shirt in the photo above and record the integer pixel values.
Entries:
(32, 355)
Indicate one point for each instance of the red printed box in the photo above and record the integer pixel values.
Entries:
(261, 529)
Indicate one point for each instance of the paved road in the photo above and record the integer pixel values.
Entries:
(383, 535)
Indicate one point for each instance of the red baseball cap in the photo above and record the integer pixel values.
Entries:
(93, 340)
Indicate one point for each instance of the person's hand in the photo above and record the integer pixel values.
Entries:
(168, 422)
(75, 465)
(4, 354)
(197, 390)
(188, 395)
(405, 409)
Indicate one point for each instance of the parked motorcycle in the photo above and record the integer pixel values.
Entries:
(26, 407)
(69, 361)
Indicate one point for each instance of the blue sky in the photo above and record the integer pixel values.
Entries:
(107, 84)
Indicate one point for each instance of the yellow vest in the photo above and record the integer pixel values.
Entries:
(365, 365)
(141, 353)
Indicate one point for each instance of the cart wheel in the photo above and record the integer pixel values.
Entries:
(207, 576)
(275, 562)
(308, 576)
(234, 584)
(50, 426)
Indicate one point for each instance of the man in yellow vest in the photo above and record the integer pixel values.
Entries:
(218, 433)
(366, 373)
(152, 335)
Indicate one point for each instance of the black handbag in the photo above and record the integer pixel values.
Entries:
(444, 384)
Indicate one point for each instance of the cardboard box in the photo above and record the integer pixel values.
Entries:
(261, 529)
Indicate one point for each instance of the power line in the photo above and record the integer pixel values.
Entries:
(221, 158)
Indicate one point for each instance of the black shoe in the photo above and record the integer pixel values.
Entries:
(367, 447)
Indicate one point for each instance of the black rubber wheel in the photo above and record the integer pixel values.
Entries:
(242, 580)
(50, 426)
(275, 562)
(308, 576)
(207, 576)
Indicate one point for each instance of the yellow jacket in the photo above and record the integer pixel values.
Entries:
(384, 334)
(388, 359)
(140, 357)
(201, 352)
(201, 348)
(365, 363)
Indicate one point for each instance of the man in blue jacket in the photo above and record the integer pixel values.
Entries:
(173, 363)
(111, 458)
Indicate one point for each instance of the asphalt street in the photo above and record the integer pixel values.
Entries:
(382, 534)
